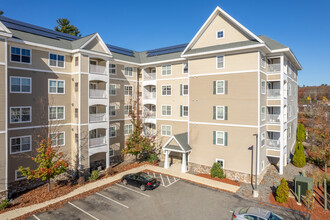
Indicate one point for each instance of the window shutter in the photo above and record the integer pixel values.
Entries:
(214, 112)
(226, 112)
(214, 137)
(226, 139)
(180, 110)
(180, 89)
(226, 86)
(214, 87)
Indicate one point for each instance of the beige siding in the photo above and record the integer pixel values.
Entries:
(2, 162)
(176, 71)
(178, 127)
(2, 97)
(2, 49)
(95, 45)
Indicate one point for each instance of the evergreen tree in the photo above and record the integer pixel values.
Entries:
(64, 26)
(282, 192)
(1, 12)
(301, 133)
(299, 159)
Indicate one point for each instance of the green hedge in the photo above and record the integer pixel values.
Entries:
(299, 159)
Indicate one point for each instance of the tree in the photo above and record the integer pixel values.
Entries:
(217, 171)
(299, 159)
(282, 192)
(64, 26)
(50, 163)
(136, 143)
(301, 133)
(1, 12)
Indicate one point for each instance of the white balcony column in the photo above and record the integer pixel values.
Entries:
(107, 159)
(184, 163)
(282, 116)
(166, 165)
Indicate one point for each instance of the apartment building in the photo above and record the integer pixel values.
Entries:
(217, 98)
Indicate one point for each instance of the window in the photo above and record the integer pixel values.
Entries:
(166, 110)
(128, 90)
(263, 87)
(220, 34)
(166, 130)
(112, 131)
(58, 139)
(184, 110)
(184, 89)
(20, 144)
(263, 139)
(128, 129)
(221, 162)
(166, 90)
(56, 86)
(220, 62)
(263, 61)
(56, 60)
(111, 152)
(219, 87)
(20, 114)
(166, 70)
(289, 132)
(112, 90)
(19, 175)
(220, 138)
(127, 109)
(56, 113)
(112, 110)
(263, 113)
(20, 84)
(112, 69)
(185, 68)
(220, 112)
(128, 71)
(20, 55)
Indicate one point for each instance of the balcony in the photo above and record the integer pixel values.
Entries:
(97, 69)
(273, 144)
(99, 117)
(149, 76)
(273, 118)
(96, 142)
(274, 68)
(274, 93)
(149, 95)
(97, 94)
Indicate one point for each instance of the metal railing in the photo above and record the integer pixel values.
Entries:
(273, 93)
(274, 68)
(95, 142)
(99, 117)
(149, 76)
(273, 144)
(273, 118)
(149, 132)
(97, 69)
(97, 93)
(149, 114)
(149, 95)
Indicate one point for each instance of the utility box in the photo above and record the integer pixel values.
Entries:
(305, 184)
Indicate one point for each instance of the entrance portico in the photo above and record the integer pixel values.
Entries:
(179, 144)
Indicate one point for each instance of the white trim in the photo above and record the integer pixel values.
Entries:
(224, 87)
(20, 137)
(223, 34)
(183, 67)
(112, 105)
(222, 160)
(56, 93)
(103, 45)
(162, 61)
(6, 109)
(113, 74)
(183, 111)
(57, 54)
(113, 126)
(264, 116)
(166, 65)
(8, 32)
(216, 138)
(264, 132)
(259, 116)
(17, 179)
(125, 89)
(216, 112)
(129, 80)
(30, 63)
(166, 90)
(172, 78)
(56, 139)
(166, 110)
(165, 119)
(126, 66)
(183, 89)
(223, 73)
(161, 131)
(57, 119)
(263, 89)
(111, 84)
(20, 107)
(44, 71)
(39, 45)
(217, 62)
(221, 124)
(21, 77)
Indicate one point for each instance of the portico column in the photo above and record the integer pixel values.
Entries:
(166, 159)
(107, 159)
(184, 163)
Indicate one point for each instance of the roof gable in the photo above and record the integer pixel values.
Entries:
(95, 43)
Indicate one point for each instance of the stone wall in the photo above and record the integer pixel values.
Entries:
(3, 195)
(22, 185)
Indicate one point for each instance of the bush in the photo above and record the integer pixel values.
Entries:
(81, 180)
(299, 159)
(110, 171)
(4, 204)
(301, 133)
(282, 192)
(309, 200)
(153, 158)
(217, 171)
(94, 176)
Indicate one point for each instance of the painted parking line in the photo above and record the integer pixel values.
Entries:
(162, 179)
(36, 217)
(83, 211)
(168, 180)
(132, 190)
(111, 200)
(155, 175)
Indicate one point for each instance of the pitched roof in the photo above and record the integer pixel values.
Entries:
(183, 141)
(272, 44)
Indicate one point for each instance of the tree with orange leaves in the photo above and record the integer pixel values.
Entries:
(51, 163)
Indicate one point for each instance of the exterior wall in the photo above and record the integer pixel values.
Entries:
(2, 164)
(178, 127)
(177, 71)
(95, 45)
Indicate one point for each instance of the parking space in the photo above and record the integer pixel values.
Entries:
(173, 199)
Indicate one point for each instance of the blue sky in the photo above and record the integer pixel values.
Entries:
(303, 25)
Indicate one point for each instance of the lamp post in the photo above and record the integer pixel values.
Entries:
(255, 190)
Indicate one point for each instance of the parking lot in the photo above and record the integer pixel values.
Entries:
(173, 199)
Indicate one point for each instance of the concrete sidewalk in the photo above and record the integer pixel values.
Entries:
(199, 180)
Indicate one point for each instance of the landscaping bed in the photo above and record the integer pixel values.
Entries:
(223, 180)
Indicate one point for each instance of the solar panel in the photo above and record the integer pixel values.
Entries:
(166, 50)
(121, 50)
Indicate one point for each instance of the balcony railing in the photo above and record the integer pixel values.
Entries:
(149, 76)
(149, 95)
(273, 144)
(99, 117)
(273, 118)
(273, 93)
(97, 69)
(149, 132)
(274, 68)
(95, 142)
(97, 93)
(149, 114)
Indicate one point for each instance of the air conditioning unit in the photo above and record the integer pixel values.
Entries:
(305, 184)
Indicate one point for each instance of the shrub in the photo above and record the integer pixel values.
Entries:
(81, 180)
(94, 176)
(217, 171)
(153, 158)
(110, 171)
(282, 192)
(309, 200)
(301, 133)
(299, 159)
(4, 204)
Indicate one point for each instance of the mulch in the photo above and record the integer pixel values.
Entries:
(223, 180)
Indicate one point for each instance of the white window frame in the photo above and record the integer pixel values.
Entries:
(216, 138)
(163, 66)
(20, 144)
(114, 89)
(263, 88)
(20, 77)
(20, 107)
(129, 75)
(166, 90)
(56, 80)
(263, 137)
(21, 55)
(17, 179)
(56, 139)
(112, 126)
(57, 119)
(125, 129)
(222, 160)
(127, 106)
(263, 115)
(125, 86)
(115, 68)
(170, 129)
(166, 110)
(224, 87)
(289, 132)
(183, 89)
(223, 61)
(223, 34)
(224, 112)
(57, 61)
(263, 60)
(183, 65)
(113, 152)
(183, 110)
(115, 111)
